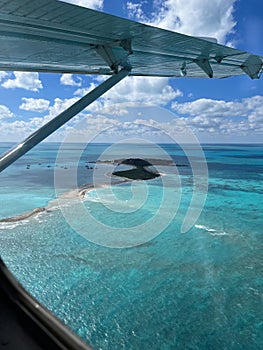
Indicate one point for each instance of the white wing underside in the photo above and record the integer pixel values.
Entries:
(52, 36)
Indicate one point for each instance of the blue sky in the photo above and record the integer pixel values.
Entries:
(227, 110)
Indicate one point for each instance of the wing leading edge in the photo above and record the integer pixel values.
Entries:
(52, 36)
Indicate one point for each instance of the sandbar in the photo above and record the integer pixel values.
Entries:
(23, 216)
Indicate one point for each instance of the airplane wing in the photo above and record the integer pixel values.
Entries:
(52, 36)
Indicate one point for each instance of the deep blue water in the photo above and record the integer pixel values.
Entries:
(201, 289)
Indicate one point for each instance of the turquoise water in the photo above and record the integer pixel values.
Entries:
(196, 290)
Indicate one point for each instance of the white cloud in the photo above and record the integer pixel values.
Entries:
(19, 129)
(24, 80)
(236, 120)
(60, 105)
(3, 75)
(135, 10)
(5, 112)
(68, 79)
(92, 4)
(254, 104)
(14, 131)
(205, 108)
(83, 91)
(192, 17)
(117, 110)
(156, 91)
(210, 108)
(34, 104)
(140, 90)
(219, 116)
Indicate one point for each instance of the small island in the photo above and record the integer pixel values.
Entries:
(140, 170)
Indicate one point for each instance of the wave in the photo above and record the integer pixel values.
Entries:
(11, 225)
(211, 231)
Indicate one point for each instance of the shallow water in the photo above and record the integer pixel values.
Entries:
(196, 290)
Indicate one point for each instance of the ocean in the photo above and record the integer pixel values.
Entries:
(122, 266)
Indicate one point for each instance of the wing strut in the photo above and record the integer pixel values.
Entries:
(19, 150)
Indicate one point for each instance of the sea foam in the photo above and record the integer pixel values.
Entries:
(211, 231)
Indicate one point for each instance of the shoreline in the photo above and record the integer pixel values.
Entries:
(72, 194)
(89, 187)
(138, 171)
(24, 216)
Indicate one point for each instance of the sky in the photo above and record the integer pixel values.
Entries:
(227, 110)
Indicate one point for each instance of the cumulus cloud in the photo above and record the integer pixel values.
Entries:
(83, 91)
(210, 108)
(236, 120)
(204, 108)
(140, 90)
(24, 80)
(5, 112)
(219, 116)
(18, 130)
(254, 104)
(146, 90)
(92, 4)
(135, 10)
(69, 79)
(193, 17)
(3, 75)
(34, 104)
(60, 105)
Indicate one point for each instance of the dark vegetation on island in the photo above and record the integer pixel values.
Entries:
(139, 172)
